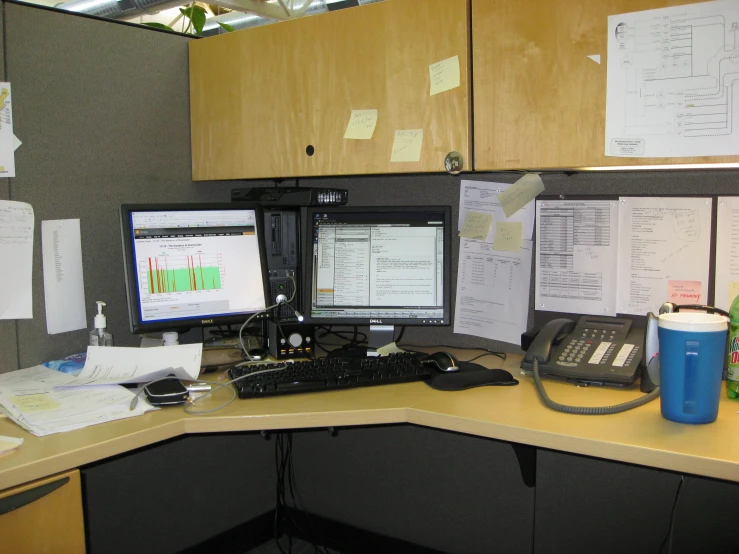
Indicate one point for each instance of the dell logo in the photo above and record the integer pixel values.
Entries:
(206, 321)
(375, 321)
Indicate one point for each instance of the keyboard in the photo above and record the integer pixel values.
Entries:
(329, 374)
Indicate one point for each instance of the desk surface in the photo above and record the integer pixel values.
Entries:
(515, 414)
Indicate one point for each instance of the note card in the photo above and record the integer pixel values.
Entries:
(508, 236)
(684, 292)
(31, 403)
(521, 193)
(64, 287)
(733, 291)
(476, 226)
(361, 125)
(407, 145)
(444, 75)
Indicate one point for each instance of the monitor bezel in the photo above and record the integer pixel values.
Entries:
(308, 267)
(131, 281)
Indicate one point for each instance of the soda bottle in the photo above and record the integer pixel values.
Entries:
(732, 378)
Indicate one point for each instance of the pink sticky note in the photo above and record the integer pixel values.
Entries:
(684, 292)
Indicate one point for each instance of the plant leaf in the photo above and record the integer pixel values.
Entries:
(198, 19)
(159, 26)
(226, 26)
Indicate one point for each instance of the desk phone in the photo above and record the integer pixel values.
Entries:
(595, 350)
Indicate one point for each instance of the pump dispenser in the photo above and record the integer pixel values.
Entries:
(99, 336)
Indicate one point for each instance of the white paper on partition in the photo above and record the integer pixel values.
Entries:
(492, 291)
(64, 287)
(672, 74)
(7, 138)
(576, 254)
(482, 197)
(661, 240)
(727, 252)
(16, 250)
(112, 364)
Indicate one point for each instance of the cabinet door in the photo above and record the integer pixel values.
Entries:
(43, 516)
(539, 100)
(262, 99)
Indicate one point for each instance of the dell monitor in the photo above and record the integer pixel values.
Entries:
(380, 266)
(192, 265)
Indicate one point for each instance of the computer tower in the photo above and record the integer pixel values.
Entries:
(282, 240)
(289, 340)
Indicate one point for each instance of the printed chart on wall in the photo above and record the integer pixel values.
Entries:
(664, 250)
(576, 256)
(673, 80)
(727, 252)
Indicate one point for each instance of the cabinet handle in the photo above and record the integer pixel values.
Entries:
(20, 499)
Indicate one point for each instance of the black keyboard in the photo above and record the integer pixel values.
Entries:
(329, 374)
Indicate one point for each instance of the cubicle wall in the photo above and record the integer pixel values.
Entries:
(102, 109)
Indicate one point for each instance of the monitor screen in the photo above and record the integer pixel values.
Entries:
(192, 264)
(380, 265)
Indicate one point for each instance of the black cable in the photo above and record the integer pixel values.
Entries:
(400, 335)
(668, 537)
(501, 355)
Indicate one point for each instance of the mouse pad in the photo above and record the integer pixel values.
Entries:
(471, 375)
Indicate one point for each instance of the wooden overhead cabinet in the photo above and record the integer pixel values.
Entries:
(539, 97)
(275, 101)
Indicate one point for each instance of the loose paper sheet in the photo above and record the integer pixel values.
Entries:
(7, 138)
(407, 145)
(64, 288)
(672, 74)
(361, 124)
(521, 193)
(727, 252)
(8, 444)
(444, 75)
(16, 250)
(16, 143)
(492, 291)
(476, 226)
(482, 197)
(576, 253)
(661, 239)
(508, 236)
(112, 364)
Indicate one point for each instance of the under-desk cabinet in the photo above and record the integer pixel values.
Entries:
(43, 517)
(539, 81)
(275, 101)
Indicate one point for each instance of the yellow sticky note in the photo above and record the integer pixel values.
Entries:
(508, 236)
(444, 75)
(520, 193)
(733, 291)
(476, 226)
(30, 403)
(407, 145)
(361, 125)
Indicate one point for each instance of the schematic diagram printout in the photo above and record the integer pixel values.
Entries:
(673, 80)
(576, 253)
(664, 249)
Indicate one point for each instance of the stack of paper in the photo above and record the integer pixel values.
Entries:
(33, 398)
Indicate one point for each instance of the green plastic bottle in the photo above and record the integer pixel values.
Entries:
(732, 379)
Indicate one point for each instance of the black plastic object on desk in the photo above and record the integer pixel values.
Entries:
(471, 375)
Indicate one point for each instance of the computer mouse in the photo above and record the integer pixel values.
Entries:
(443, 361)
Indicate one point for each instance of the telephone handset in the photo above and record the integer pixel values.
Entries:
(595, 350)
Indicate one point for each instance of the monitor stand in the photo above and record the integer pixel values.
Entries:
(379, 336)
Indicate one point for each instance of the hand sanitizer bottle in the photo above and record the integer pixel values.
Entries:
(99, 336)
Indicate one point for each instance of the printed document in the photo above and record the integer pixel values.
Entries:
(663, 245)
(110, 364)
(16, 247)
(64, 287)
(576, 254)
(673, 75)
(492, 291)
(7, 138)
(727, 252)
(481, 197)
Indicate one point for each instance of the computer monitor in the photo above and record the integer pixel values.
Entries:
(380, 266)
(190, 265)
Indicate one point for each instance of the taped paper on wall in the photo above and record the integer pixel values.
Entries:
(7, 142)
(508, 236)
(521, 193)
(407, 145)
(361, 124)
(444, 75)
(483, 197)
(476, 226)
(727, 252)
(16, 249)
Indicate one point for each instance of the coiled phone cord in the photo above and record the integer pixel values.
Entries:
(615, 409)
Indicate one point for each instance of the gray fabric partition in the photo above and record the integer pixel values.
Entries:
(103, 112)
